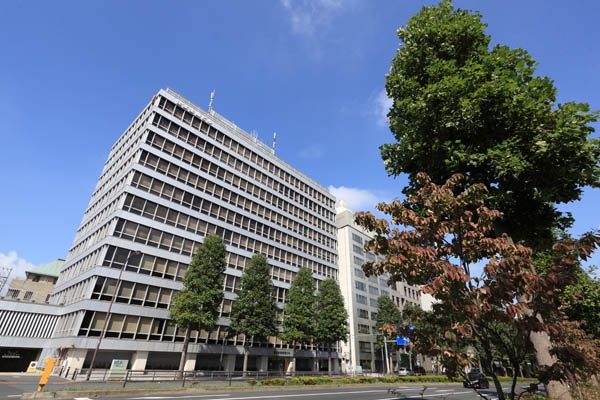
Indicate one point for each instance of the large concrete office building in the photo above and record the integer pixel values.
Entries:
(361, 293)
(175, 175)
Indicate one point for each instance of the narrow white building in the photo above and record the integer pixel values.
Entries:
(361, 293)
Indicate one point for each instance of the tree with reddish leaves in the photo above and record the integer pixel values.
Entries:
(450, 236)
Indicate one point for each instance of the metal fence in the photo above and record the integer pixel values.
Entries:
(186, 377)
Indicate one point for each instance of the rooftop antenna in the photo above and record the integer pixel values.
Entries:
(274, 140)
(4, 274)
(212, 97)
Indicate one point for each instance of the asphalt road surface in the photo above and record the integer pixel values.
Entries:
(11, 387)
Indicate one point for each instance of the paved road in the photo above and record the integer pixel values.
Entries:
(11, 387)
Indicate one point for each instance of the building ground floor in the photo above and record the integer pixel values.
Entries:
(199, 358)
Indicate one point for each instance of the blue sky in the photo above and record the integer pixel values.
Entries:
(74, 74)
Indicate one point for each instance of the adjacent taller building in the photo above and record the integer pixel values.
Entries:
(361, 295)
(175, 175)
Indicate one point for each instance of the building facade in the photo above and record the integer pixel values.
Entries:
(37, 285)
(361, 293)
(175, 175)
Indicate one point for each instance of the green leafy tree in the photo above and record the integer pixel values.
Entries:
(254, 312)
(196, 307)
(331, 317)
(387, 324)
(461, 106)
(299, 312)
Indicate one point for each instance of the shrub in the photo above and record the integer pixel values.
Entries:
(252, 382)
(273, 382)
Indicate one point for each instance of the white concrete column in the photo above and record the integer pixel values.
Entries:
(263, 363)
(139, 360)
(229, 362)
(75, 359)
(289, 361)
(190, 362)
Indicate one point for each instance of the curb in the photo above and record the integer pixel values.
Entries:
(65, 394)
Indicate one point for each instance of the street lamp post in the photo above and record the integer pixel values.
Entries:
(112, 300)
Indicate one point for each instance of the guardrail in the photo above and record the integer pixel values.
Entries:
(225, 377)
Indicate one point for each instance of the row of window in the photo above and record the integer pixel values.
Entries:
(89, 241)
(362, 313)
(78, 267)
(237, 147)
(107, 185)
(124, 159)
(189, 200)
(132, 293)
(361, 299)
(174, 243)
(105, 197)
(93, 222)
(158, 329)
(229, 159)
(191, 179)
(157, 212)
(125, 137)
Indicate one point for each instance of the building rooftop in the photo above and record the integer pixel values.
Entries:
(50, 269)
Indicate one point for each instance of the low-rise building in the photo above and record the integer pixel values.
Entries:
(37, 285)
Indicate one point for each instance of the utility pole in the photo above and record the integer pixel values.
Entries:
(387, 357)
(112, 300)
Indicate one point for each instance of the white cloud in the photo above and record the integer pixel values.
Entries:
(381, 107)
(356, 199)
(308, 15)
(16, 264)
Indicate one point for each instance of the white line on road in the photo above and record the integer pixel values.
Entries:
(444, 390)
(180, 397)
(279, 396)
(14, 395)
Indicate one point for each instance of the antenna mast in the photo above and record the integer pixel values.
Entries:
(4, 274)
(274, 140)
(212, 98)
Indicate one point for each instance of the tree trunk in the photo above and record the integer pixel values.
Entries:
(490, 363)
(540, 340)
(186, 342)
(542, 345)
(329, 361)
(294, 360)
(245, 367)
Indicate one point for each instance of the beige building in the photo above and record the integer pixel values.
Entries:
(37, 285)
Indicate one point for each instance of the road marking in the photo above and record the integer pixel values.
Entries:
(82, 398)
(180, 397)
(279, 396)
(444, 390)
(14, 395)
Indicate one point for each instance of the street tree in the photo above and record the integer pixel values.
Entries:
(387, 324)
(461, 106)
(448, 235)
(196, 306)
(299, 312)
(331, 317)
(254, 312)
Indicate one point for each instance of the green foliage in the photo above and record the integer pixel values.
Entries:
(585, 307)
(460, 106)
(252, 382)
(273, 382)
(331, 316)
(254, 313)
(298, 313)
(197, 306)
(389, 320)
